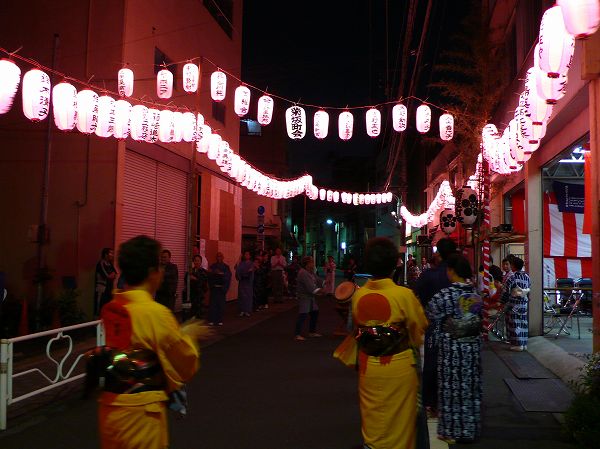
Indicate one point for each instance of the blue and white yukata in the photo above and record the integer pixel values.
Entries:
(515, 295)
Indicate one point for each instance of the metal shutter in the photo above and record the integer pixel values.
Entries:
(139, 196)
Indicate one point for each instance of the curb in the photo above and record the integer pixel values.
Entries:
(565, 366)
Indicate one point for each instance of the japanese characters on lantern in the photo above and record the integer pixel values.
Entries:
(191, 77)
(556, 46)
(122, 119)
(153, 122)
(125, 82)
(345, 125)
(373, 122)
(139, 122)
(87, 111)
(36, 95)
(265, 110)
(321, 124)
(106, 116)
(399, 117)
(295, 118)
(218, 85)
(164, 84)
(423, 118)
(241, 100)
(64, 106)
(446, 127)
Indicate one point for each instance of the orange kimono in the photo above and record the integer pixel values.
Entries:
(138, 420)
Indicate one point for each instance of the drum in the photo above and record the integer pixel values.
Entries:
(344, 291)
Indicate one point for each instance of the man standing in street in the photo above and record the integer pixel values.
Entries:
(105, 277)
(219, 279)
(278, 264)
(167, 291)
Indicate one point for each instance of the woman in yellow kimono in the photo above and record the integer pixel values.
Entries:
(133, 319)
(389, 322)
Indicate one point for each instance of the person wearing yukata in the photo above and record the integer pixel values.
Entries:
(458, 309)
(515, 294)
(219, 279)
(135, 418)
(329, 269)
(389, 327)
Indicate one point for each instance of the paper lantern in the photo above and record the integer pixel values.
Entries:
(508, 156)
(399, 117)
(446, 127)
(265, 110)
(153, 122)
(550, 89)
(36, 95)
(241, 172)
(87, 111)
(191, 77)
(373, 122)
(448, 221)
(122, 119)
(213, 147)
(189, 127)
(581, 17)
(166, 126)
(322, 194)
(10, 76)
(378, 198)
(64, 106)
(329, 196)
(367, 199)
(178, 130)
(218, 86)
(295, 120)
(537, 109)
(336, 196)
(241, 100)
(125, 82)
(556, 45)
(139, 122)
(222, 155)
(467, 206)
(204, 141)
(361, 198)
(423, 118)
(345, 125)
(106, 116)
(164, 84)
(355, 199)
(321, 124)
(199, 127)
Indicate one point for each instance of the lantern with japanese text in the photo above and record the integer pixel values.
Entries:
(36, 95)
(446, 127)
(582, 17)
(265, 110)
(361, 198)
(399, 117)
(423, 118)
(508, 156)
(336, 196)
(204, 142)
(191, 77)
(537, 109)
(10, 77)
(199, 124)
(448, 221)
(241, 172)
(222, 155)
(218, 85)
(139, 122)
(153, 122)
(321, 124)
(550, 89)
(556, 45)
(378, 198)
(295, 118)
(373, 122)
(166, 126)
(355, 199)
(329, 196)
(164, 84)
(467, 205)
(178, 130)
(125, 82)
(106, 116)
(213, 147)
(367, 199)
(241, 100)
(87, 111)
(64, 106)
(345, 125)
(322, 194)
(189, 127)
(122, 118)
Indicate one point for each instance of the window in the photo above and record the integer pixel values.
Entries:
(161, 60)
(250, 127)
(218, 111)
(222, 12)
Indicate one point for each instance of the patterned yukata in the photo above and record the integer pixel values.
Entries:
(517, 321)
(459, 366)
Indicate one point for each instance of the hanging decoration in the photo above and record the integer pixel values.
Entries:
(321, 124)
(467, 205)
(166, 126)
(295, 118)
(188, 122)
(581, 17)
(423, 118)
(125, 82)
(122, 118)
(153, 122)
(139, 122)
(87, 111)
(443, 199)
(218, 85)
(178, 126)
(448, 221)
(345, 125)
(265, 110)
(36, 95)
(556, 45)
(373, 122)
(191, 77)
(64, 106)
(241, 100)
(106, 116)
(399, 117)
(10, 77)
(446, 127)
(164, 84)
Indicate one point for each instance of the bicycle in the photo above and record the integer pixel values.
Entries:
(497, 327)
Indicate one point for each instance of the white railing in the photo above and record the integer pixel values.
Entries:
(60, 377)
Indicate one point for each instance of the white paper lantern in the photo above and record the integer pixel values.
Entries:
(139, 122)
(550, 89)
(191, 77)
(329, 196)
(295, 119)
(241, 172)
(153, 122)
(222, 155)
(166, 126)
(321, 124)
(345, 125)
(122, 119)
(467, 205)
(204, 141)
(241, 100)
(178, 131)
(581, 17)
(399, 117)
(10, 77)
(448, 221)
(336, 196)
(218, 86)
(355, 199)
(265, 110)
(556, 45)
(106, 116)
(189, 127)
(36, 95)
(537, 109)
(378, 198)
(199, 127)
(213, 147)
(373, 122)
(322, 194)
(64, 106)
(446, 127)
(361, 198)
(125, 82)
(367, 199)
(87, 111)
(164, 84)
(423, 118)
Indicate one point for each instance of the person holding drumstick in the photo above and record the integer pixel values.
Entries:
(308, 285)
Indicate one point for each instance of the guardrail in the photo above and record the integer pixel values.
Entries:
(60, 377)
